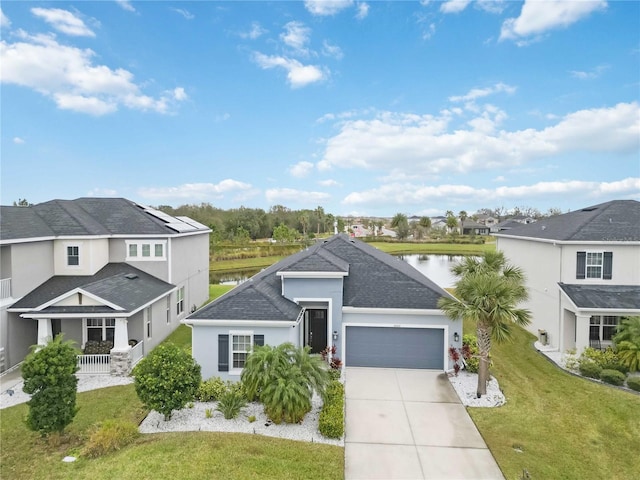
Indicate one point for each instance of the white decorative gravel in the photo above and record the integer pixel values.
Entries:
(194, 419)
(466, 384)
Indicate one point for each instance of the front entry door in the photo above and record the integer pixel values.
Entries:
(317, 330)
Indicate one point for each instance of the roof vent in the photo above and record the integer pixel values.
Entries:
(131, 276)
(589, 209)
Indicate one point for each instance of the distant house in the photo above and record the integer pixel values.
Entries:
(469, 227)
(583, 271)
(376, 309)
(485, 219)
(113, 276)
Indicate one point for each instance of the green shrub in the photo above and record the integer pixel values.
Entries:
(470, 353)
(230, 404)
(616, 366)
(590, 369)
(49, 377)
(634, 383)
(167, 379)
(334, 374)
(110, 436)
(331, 421)
(211, 390)
(613, 377)
(600, 357)
(628, 342)
(284, 378)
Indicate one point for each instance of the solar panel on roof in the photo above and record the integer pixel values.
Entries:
(181, 227)
(192, 222)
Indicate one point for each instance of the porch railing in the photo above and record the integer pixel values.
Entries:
(137, 353)
(94, 364)
(5, 288)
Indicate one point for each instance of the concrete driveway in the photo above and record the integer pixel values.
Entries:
(410, 424)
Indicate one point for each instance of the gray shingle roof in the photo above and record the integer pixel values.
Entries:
(375, 280)
(618, 220)
(111, 283)
(603, 296)
(83, 216)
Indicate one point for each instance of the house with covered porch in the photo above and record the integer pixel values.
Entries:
(111, 275)
(583, 272)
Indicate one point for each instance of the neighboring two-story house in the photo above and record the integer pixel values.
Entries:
(105, 272)
(376, 309)
(582, 269)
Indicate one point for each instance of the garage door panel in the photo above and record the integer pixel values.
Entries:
(394, 347)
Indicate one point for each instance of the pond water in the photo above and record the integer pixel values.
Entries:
(435, 267)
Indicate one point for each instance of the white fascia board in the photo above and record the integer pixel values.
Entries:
(238, 323)
(568, 242)
(83, 292)
(36, 316)
(312, 274)
(387, 311)
(16, 241)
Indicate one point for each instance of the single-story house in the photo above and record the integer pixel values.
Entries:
(376, 309)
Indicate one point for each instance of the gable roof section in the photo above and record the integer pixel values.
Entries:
(90, 217)
(379, 280)
(117, 283)
(618, 297)
(615, 221)
(375, 280)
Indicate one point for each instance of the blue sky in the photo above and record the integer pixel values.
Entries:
(364, 108)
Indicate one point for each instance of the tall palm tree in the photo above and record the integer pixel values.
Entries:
(488, 292)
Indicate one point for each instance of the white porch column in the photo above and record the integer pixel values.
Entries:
(582, 332)
(45, 333)
(121, 336)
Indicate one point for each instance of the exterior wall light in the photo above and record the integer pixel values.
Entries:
(456, 337)
(335, 335)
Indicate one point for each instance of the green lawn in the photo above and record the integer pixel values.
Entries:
(567, 427)
(434, 248)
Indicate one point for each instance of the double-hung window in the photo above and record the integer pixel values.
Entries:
(100, 329)
(594, 265)
(146, 250)
(240, 348)
(180, 300)
(603, 327)
(73, 256)
(234, 348)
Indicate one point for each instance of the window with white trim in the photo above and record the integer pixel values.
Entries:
(180, 300)
(100, 329)
(73, 256)
(594, 265)
(147, 320)
(603, 327)
(241, 345)
(146, 250)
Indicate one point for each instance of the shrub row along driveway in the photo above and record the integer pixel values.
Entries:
(403, 423)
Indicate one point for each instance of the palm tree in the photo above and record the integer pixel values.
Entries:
(627, 342)
(488, 292)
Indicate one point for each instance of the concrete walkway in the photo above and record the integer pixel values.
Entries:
(410, 424)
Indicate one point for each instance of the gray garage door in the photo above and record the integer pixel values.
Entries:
(395, 347)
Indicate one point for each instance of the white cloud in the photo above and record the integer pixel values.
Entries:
(68, 76)
(102, 192)
(403, 194)
(4, 20)
(290, 195)
(256, 32)
(126, 5)
(196, 190)
(18, 140)
(537, 17)
(427, 145)
(328, 183)
(298, 75)
(326, 7)
(179, 94)
(476, 93)
(491, 6)
(301, 169)
(296, 36)
(363, 10)
(185, 13)
(333, 51)
(64, 21)
(591, 74)
(454, 6)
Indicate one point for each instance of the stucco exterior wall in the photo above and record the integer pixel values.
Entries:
(205, 344)
(18, 336)
(157, 268)
(625, 265)
(31, 265)
(189, 257)
(93, 255)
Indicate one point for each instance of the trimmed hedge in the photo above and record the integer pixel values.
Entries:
(331, 421)
(590, 369)
(634, 383)
(613, 377)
